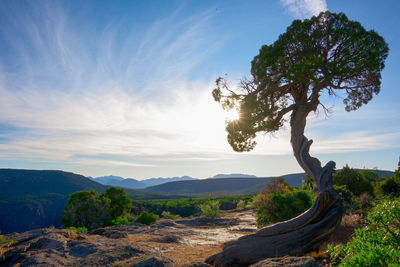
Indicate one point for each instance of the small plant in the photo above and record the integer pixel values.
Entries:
(277, 207)
(120, 221)
(169, 215)
(375, 245)
(210, 210)
(241, 205)
(147, 218)
(77, 229)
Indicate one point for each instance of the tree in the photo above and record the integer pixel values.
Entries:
(356, 182)
(85, 209)
(120, 203)
(90, 210)
(326, 54)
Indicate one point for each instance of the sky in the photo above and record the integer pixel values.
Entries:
(124, 87)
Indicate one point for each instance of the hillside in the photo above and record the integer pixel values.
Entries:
(212, 187)
(32, 199)
(131, 183)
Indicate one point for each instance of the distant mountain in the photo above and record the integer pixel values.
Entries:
(233, 175)
(160, 180)
(119, 182)
(33, 199)
(213, 187)
(135, 184)
(107, 180)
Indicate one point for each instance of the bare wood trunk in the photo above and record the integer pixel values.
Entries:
(299, 235)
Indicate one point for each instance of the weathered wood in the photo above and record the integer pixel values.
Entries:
(301, 234)
(294, 237)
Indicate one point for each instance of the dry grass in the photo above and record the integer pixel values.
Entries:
(180, 253)
(184, 254)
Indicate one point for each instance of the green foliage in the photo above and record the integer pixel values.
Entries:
(276, 207)
(241, 205)
(210, 210)
(169, 215)
(326, 53)
(147, 218)
(183, 207)
(378, 243)
(85, 209)
(308, 184)
(120, 221)
(391, 185)
(354, 181)
(77, 229)
(90, 210)
(5, 240)
(120, 203)
(346, 196)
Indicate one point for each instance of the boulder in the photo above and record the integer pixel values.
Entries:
(287, 262)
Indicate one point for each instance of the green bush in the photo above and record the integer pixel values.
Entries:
(346, 195)
(147, 218)
(120, 221)
(241, 205)
(210, 210)
(5, 240)
(355, 182)
(120, 203)
(277, 207)
(77, 229)
(86, 209)
(378, 244)
(169, 215)
(391, 185)
(90, 210)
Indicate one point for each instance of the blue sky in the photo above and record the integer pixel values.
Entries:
(124, 87)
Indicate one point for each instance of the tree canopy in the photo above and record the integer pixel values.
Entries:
(90, 210)
(327, 54)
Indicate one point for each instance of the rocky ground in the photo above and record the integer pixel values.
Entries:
(182, 242)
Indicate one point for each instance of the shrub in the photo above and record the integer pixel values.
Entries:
(391, 185)
(354, 181)
(120, 221)
(169, 215)
(5, 240)
(120, 203)
(241, 205)
(90, 210)
(346, 195)
(210, 210)
(276, 207)
(378, 243)
(147, 218)
(77, 229)
(85, 209)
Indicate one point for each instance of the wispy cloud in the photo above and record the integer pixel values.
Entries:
(304, 8)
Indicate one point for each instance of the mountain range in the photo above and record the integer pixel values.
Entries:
(32, 199)
(136, 184)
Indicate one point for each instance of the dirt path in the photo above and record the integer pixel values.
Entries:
(191, 240)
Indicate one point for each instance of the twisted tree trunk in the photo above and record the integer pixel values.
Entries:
(301, 234)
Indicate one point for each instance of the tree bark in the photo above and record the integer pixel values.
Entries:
(301, 234)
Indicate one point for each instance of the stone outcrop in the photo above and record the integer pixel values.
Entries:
(287, 262)
(55, 247)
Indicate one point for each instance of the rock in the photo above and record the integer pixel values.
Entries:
(227, 205)
(168, 239)
(155, 262)
(55, 247)
(287, 262)
(197, 264)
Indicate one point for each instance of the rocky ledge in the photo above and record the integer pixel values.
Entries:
(184, 242)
